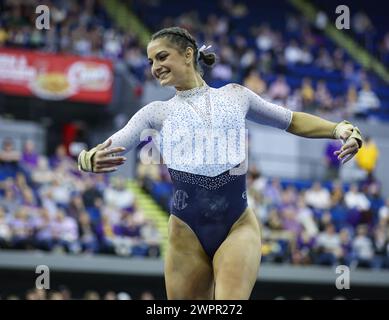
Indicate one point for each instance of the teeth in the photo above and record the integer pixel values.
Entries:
(163, 74)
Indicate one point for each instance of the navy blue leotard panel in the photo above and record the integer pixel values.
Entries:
(209, 205)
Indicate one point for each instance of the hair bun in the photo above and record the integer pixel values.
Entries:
(208, 58)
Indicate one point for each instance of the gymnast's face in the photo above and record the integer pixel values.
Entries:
(168, 65)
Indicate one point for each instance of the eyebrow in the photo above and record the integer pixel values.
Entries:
(158, 54)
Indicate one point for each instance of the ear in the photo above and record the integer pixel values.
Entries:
(189, 55)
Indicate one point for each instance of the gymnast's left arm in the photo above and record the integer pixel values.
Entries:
(311, 126)
(300, 123)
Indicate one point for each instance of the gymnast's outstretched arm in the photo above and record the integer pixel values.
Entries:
(301, 124)
(105, 157)
(310, 126)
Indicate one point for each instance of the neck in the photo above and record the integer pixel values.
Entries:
(191, 83)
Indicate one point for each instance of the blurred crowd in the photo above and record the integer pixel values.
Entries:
(47, 204)
(64, 293)
(293, 64)
(77, 27)
(324, 224)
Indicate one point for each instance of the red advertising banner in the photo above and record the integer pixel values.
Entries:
(55, 76)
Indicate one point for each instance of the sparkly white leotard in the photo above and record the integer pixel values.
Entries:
(202, 109)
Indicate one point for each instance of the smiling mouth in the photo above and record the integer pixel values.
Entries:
(163, 75)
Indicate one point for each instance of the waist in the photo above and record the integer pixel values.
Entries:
(207, 182)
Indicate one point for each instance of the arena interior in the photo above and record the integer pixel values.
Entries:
(103, 237)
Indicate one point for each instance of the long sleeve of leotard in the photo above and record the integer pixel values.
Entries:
(130, 135)
(263, 112)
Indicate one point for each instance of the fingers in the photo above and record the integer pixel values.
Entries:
(107, 143)
(346, 152)
(112, 151)
(105, 170)
(349, 149)
(107, 167)
(110, 161)
(349, 157)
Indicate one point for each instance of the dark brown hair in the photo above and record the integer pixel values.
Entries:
(182, 39)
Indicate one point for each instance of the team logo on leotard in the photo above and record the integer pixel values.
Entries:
(179, 199)
(244, 195)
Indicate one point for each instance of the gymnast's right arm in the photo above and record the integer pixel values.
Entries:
(104, 157)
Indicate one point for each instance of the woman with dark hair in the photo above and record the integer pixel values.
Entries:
(214, 238)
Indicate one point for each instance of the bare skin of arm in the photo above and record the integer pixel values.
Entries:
(310, 126)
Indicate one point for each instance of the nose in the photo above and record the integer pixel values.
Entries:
(156, 69)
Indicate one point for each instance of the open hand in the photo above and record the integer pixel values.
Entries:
(105, 159)
(348, 150)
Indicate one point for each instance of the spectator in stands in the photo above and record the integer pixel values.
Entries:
(346, 254)
(383, 213)
(151, 236)
(363, 27)
(303, 253)
(363, 249)
(42, 174)
(273, 191)
(223, 71)
(67, 231)
(254, 82)
(293, 54)
(60, 158)
(338, 58)
(247, 59)
(318, 197)
(380, 245)
(117, 195)
(10, 201)
(323, 96)
(91, 193)
(265, 63)
(110, 295)
(337, 193)
(307, 94)
(279, 89)
(60, 192)
(354, 199)
(21, 229)
(87, 234)
(147, 295)
(29, 156)
(5, 230)
(332, 162)
(367, 157)
(294, 101)
(306, 218)
(367, 100)
(91, 295)
(324, 60)
(9, 158)
(328, 246)
(265, 38)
